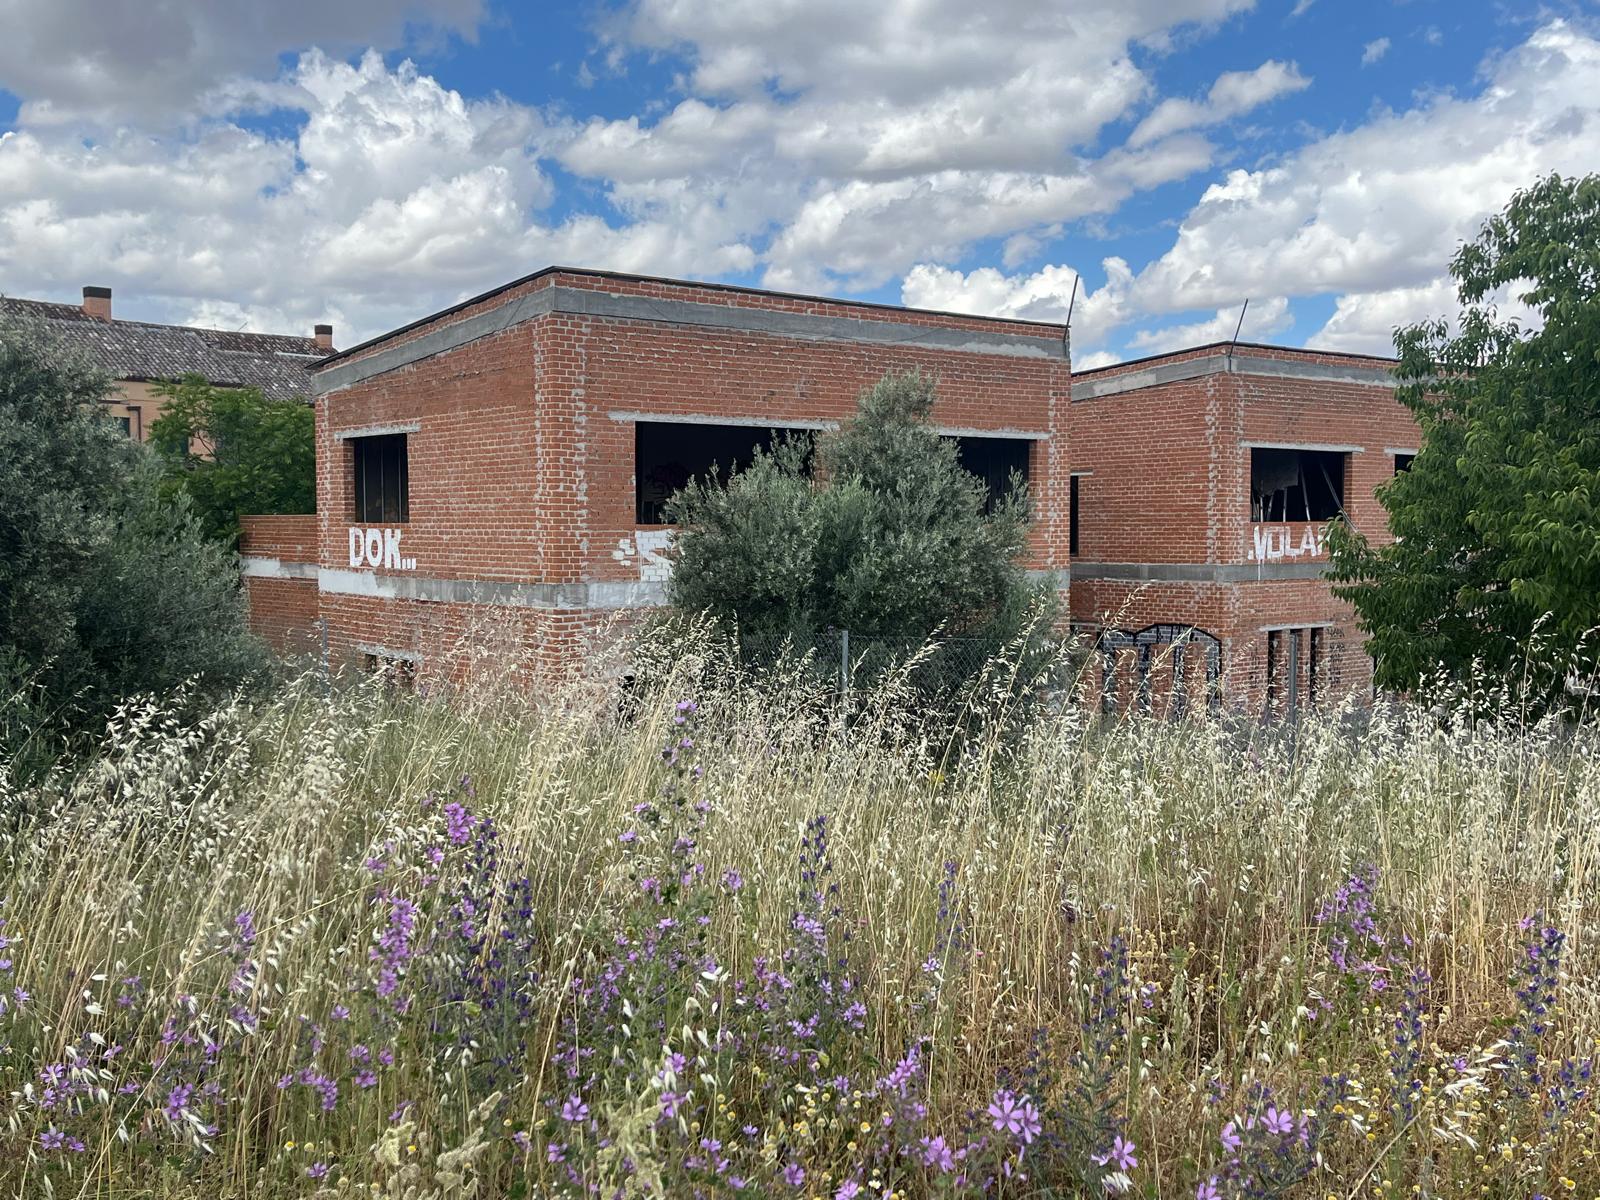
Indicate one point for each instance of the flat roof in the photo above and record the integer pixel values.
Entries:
(1240, 358)
(1205, 347)
(627, 277)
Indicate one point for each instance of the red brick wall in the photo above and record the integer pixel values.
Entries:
(519, 473)
(1170, 484)
(282, 611)
(472, 489)
(291, 538)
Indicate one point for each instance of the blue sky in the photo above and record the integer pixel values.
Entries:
(266, 167)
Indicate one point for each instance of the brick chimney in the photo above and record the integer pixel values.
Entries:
(97, 302)
(324, 337)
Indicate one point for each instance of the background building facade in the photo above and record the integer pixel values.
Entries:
(138, 355)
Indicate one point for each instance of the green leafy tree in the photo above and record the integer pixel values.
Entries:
(890, 540)
(1496, 564)
(106, 588)
(232, 451)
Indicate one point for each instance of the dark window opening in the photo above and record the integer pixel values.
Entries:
(1274, 657)
(1316, 665)
(124, 424)
(995, 461)
(1072, 517)
(399, 674)
(382, 479)
(1402, 462)
(667, 455)
(1296, 485)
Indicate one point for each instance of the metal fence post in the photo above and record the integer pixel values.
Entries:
(844, 663)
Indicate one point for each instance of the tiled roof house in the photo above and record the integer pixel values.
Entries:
(140, 354)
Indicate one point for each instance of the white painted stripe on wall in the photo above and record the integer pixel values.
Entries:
(256, 566)
(339, 581)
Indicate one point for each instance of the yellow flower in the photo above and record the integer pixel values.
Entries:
(288, 1145)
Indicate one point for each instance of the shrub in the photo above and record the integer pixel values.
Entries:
(105, 589)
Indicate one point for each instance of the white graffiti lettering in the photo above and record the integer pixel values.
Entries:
(379, 548)
(1273, 543)
(647, 547)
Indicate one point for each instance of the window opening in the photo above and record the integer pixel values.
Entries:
(1072, 517)
(1296, 485)
(382, 478)
(668, 454)
(998, 462)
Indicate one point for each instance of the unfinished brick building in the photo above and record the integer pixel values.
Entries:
(505, 462)
(1201, 484)
(507, 459)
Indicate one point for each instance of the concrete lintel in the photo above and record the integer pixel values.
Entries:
(1242, 363)
(1293, 626)
(587, 302)
(1019, 435)
(340, 435)
(340, 581)
(1324, 447)
(1198, 572)
(1393, 450)
(261, 566)
(627, 417)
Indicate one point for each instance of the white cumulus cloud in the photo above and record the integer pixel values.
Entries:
(1233, 94)
(112, 61)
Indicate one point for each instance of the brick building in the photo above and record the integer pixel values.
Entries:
(1201, 482)
(506, 460)
(504, 463)
(138, 355)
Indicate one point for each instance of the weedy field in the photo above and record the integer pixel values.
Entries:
(723, 941)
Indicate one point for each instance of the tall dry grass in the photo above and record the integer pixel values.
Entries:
(1209, 847)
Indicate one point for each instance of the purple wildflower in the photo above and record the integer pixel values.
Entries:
(1120, 1156)
(1005, 1112)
